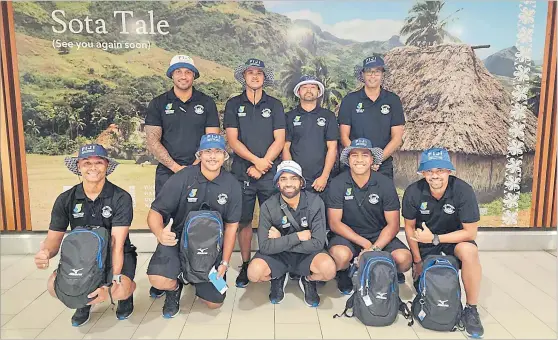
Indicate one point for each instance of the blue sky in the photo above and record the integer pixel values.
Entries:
(479, 22)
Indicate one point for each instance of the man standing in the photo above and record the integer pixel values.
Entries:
(312, 135)
(95, 202)
(255, 127)
(447, 210)
(175, 122)
(204, 183)
(373, 113)
(291, 235)
(363, 213)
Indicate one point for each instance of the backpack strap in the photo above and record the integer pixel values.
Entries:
(286, 211)
(404, 309)
(349, 305)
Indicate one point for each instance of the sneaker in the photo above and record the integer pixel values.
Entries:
(125, 308)
(172, 302)
(472, 323)
(311, 297)
(277, 291)
(156, 293)
(294, 277)
(344, 282)
(242, 278)
(401, 278)
(81, 316)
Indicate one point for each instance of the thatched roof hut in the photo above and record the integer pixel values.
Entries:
(451, 100)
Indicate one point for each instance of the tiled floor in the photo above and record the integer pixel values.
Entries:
(518, 300)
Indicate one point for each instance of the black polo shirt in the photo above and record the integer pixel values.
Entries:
(255, 124)
(371, 119)
(458, 205)
(363, 208)
(112, 208)
(183, 123)
(186, 190)
(309, 133)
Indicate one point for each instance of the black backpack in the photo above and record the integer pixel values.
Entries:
(84, 254)
(201, 243)
(375, 301)
(437, 305)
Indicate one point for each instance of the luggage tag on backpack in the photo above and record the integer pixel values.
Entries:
(367, 300)
(422, 314)
(219, 283)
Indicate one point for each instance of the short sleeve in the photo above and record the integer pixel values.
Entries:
(153, 114)
(59, 219)
(234, 208)
(123, 211)
(345, 112)
(397, 115)
(212, 117)
(230, 119)
(278, 116)
(332, 132)
(290, 128)
(390, 198)
(335, 195)
(168, 200)
(468, 207)
(409, 208)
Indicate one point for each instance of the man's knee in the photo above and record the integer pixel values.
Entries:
(161, 282)
(342, 255)
(50, 285)
(403, 259)
(467, 252)
(126, 289)
(324, 265)
(211, 305)
(258, 270)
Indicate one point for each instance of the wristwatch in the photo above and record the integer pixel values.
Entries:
(225, 263)
(436, 240)
(375, 248)
(117, 279)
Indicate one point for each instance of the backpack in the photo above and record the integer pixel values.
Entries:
(375, 301)
(201, 243)
(84, 254)
(437, 305)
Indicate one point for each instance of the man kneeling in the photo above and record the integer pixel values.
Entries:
(291, 237)
(94, 202)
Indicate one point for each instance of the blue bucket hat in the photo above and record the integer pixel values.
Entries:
(435, 158)
(291, 167)
(212, 141)
(86, 151)
(179, 61)
(362, 143)
(269, 77)
(306, 79)
(370, 62)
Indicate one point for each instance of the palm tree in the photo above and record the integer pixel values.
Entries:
(424, 26)
(291, 73)
(32, 127)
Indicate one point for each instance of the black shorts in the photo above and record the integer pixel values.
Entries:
(287, 262)
(166, 262)
(262, 189)
(446, 248)
(337, 240)
(129, 265)
(386, 168)
(162, 175)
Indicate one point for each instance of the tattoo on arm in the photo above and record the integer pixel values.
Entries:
(153, 136)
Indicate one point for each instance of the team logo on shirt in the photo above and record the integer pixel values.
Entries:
(168, 109)
(296, 121)
(77, 210)
(304, 222)
(359, 108)
(349, 194)
(385, 109)
(241, 112)
(285, 222)
(198, 109)
(192, 196)
(107, 211)
(374, 199)
(448, 209)
(321, 121)
(222, 199)
(266, 113)
(424, 208)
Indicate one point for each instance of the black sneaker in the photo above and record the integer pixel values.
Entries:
(242, 278)
(277, 292)
(344, 282)
(471, 322)
(400, 278)
(156, 293)
(311, 297)
(125, 308)
(171, 308)
(81, 316)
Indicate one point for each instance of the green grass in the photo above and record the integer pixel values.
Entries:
(496, 207)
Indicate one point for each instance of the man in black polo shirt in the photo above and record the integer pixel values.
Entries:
(373, 113)
(446, 207)
(95, 202)
(312, 135)
(175, 122)
(363, 213)
(255, 127)
(203, 183)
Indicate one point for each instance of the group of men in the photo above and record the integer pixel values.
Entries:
(316, 218)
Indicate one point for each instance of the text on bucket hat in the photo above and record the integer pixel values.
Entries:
(370, 62)
(435, 158)
(269, 77)
(306, 79)
(291, 167)
(179, 61)
(362, 143)
(86, 151)
(212, 141)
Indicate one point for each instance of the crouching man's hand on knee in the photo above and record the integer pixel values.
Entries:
(100, 295)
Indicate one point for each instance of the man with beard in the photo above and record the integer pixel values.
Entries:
(312, 135)
(291, 237)
(204, 183)
(95, 202)
(255, 127)
(446, 209)
(373, 113)
(175, 122)
(363, 213)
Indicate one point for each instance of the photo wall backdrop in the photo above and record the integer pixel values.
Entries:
(468, 74)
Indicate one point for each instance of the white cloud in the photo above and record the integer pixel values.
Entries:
(274, 4)
(457, 31)
(306, 14)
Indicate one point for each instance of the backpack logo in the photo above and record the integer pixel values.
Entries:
(76, 272)
(449, 209)
(442, 303)
(107, 211)
(385, 109)
(374, 199)
(359, 108)
(202, 251)
(198, 109)
(266, 113)
(349, 194)
(192, 196)
(222, 199)
(321, 121)
(382, 296)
